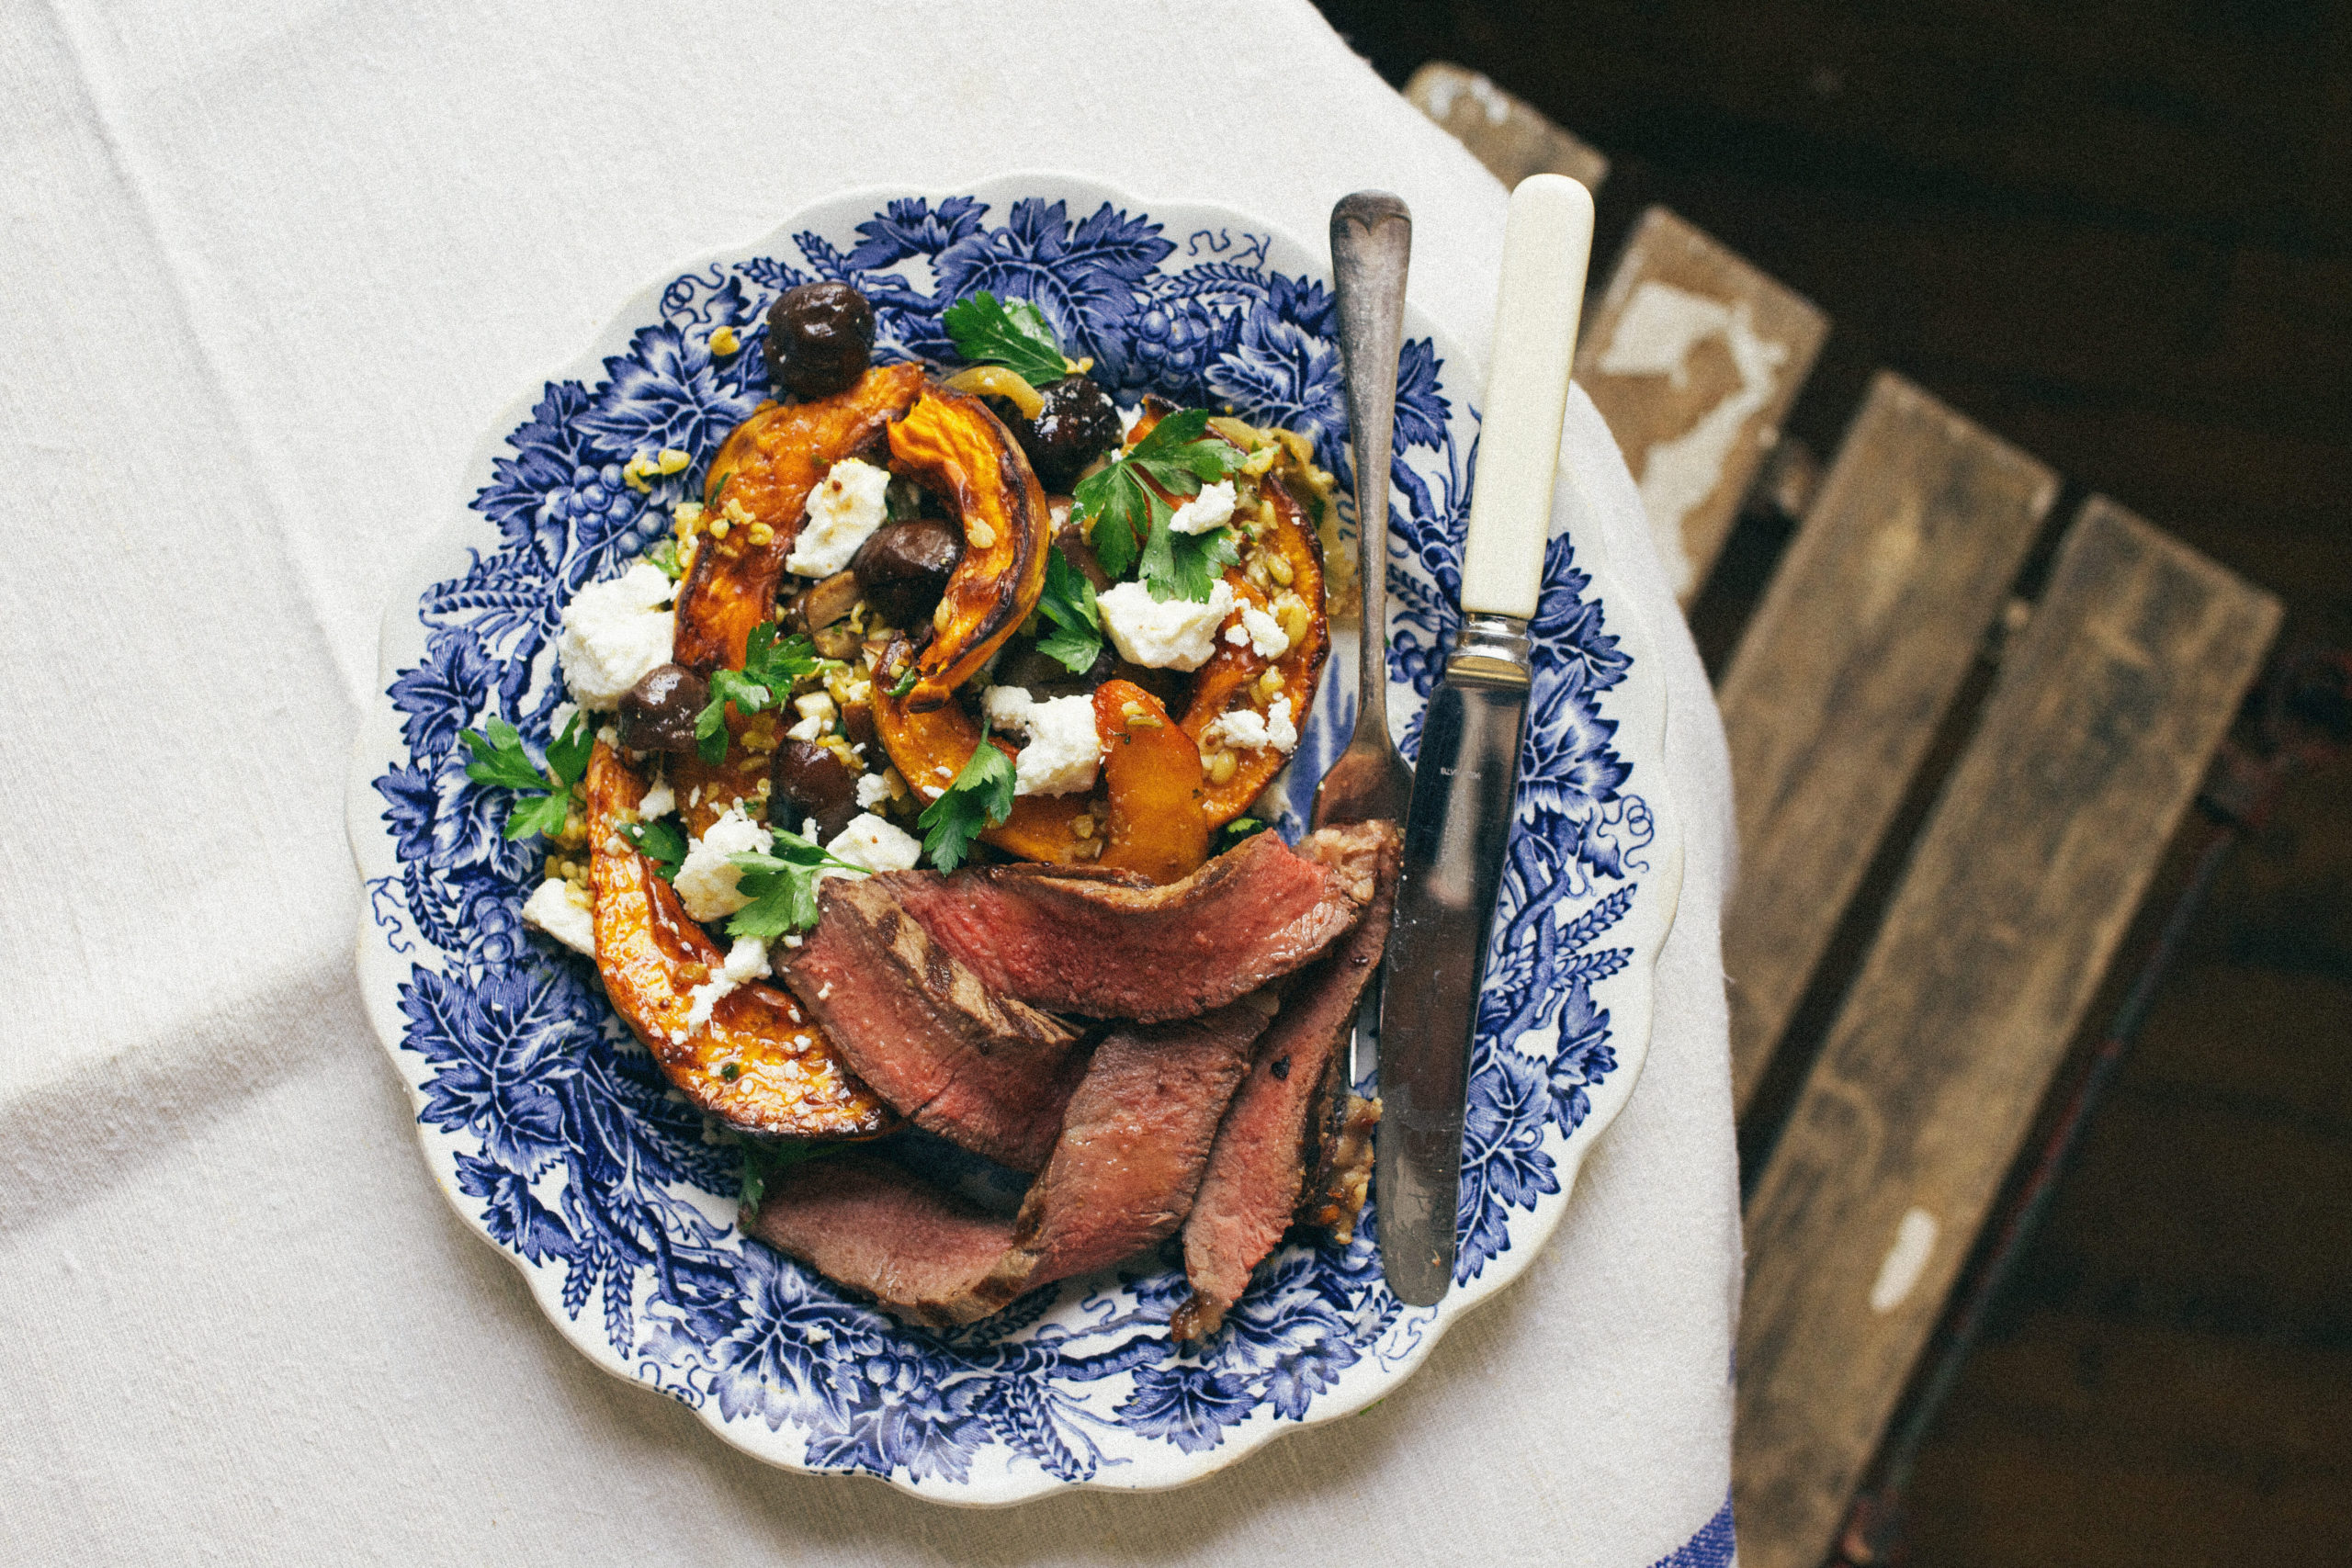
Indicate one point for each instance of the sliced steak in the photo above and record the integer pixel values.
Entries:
(984, 1071)
(1108, 948)
(1291, 1112)
(876, 1227)
(1136, 1141)
(1122, 1177)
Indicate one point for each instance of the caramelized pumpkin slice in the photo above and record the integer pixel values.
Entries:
(954, 447)
(930, 749)
(767, 468)
(758, 1063)
(1153, 771)
(1235, 678)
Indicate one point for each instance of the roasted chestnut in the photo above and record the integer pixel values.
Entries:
(820, 339)
(658, 714)
(1077, 425)
(903, 567)
(810, 780)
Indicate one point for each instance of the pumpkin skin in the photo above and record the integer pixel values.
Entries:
(954, 447)
(1229, 680)
(1152, 772)
(651, 954)
(768, 466)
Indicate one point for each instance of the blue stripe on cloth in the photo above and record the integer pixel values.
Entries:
(1711, 1548)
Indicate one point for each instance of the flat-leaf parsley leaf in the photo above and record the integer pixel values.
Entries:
(1069, 603)
(661, 841)
(782, 885)
(770, 664)
(979, 798)
(544, 796)
(1127, 518)
(1010, 332)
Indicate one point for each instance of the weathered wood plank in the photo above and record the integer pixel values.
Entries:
(2096, 733)
(1693, 356)
(1511, 137)
(1844, 671)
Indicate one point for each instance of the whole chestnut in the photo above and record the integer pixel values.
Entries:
(808, 780)
(658, 714)
(820, 339)
(903, 567)
(1077, 425)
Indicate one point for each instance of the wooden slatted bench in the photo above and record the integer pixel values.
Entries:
(2113, 689)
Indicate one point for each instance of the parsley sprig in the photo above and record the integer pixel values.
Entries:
(543, 795)
(661, 841)
(1010, 332)
(1128, 520)
(770, 664)
(979, 798)
(1069, 603)
(783, 887)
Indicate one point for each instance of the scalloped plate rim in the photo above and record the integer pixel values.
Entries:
(1641, 730)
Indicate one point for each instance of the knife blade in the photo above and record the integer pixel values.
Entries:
(1458, 826)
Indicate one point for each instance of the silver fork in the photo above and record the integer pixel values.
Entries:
(1371, 242)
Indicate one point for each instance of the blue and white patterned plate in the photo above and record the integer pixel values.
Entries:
(558, 1139)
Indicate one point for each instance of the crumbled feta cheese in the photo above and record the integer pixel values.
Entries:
(1213, 508)
(875, 845)
(1064, 748)
(613, 633)
(706, 881)
(816, 710)
(872, 789)
(560, 718)
(1245, 729)
(747, 960)
(1258, 631)
(660, 800)
(1180, 634)
(1127, 418)
(843, 509)
(703, 999)
(562, 909)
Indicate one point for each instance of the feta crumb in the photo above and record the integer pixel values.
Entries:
(747, 960)
(1064, 748)
(875, 845)
(843, 511)
(1213, 508)
(872, 789)
(703, 999)
(613, 633)
(660, 800)
(816, 710)
(1178, 635)
(706, 881)
(562, 909)
(1245, 729)
(1258, 631)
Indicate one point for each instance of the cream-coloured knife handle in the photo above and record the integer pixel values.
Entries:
(1547, 246)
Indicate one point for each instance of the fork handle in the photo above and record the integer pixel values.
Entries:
(1372, 243)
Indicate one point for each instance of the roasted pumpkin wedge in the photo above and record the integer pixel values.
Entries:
(706, 790)
(758, 1063)
(1152, 771)
(765, 472)
(1235, 677)
(931, 749)
(955, 447)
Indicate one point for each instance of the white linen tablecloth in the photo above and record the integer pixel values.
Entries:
(269, 271)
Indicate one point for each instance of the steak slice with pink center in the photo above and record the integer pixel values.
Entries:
(982, 1070)
(1291, 1111)
(1107, 948)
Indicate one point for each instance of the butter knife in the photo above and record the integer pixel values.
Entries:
(1459, 823)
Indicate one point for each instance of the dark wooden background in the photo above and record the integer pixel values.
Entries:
(2119, 234)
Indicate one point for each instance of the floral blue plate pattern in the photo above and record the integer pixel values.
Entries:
(558, 1139)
